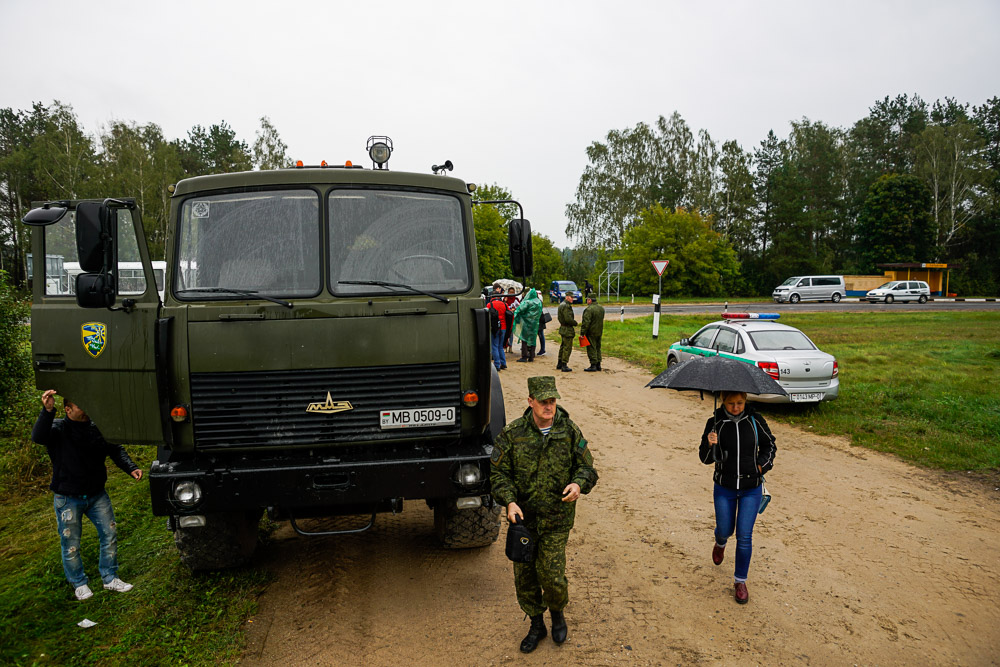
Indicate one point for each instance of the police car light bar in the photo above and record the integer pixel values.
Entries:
(751, 316)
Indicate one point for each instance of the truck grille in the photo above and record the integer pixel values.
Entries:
(266, 409)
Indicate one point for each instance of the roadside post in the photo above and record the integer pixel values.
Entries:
(658, 265)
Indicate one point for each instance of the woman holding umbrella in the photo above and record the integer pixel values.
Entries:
(738, 441)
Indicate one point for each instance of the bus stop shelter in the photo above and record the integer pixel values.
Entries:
(935, 275)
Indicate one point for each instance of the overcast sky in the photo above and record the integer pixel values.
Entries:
(511, 92)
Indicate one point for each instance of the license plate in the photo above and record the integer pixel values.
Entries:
(417, 418)
(806, 398)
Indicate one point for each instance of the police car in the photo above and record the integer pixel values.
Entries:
(808, 374)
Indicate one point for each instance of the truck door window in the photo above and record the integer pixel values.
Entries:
(264, 242)
(62, 264)
(131, 278)
(413, 238)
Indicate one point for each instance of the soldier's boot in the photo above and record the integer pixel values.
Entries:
(566, 369)
(559, 365)
(558, 627)
(591, 368)
(536, 633)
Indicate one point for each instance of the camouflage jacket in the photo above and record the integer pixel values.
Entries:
(566, 319)
(592, 324)
(532, 469)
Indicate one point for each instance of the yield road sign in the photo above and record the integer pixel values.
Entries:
(659, 265)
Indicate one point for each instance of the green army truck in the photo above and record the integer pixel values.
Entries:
(321, 348)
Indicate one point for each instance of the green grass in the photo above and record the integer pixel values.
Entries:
(171, 617)
(919, 385)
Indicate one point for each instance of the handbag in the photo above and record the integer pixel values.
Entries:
(765, 497)
(546, 317)
(520, 543)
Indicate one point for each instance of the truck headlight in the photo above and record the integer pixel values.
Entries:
(468, 475)
(187, 493)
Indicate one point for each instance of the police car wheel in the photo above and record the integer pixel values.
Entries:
(889, 299)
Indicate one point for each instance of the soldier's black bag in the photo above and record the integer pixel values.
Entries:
(520, 543)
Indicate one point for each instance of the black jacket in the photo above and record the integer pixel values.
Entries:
(743, 445)
(78, 451)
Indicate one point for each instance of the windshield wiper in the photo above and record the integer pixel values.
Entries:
(382, 283)
(238, 292)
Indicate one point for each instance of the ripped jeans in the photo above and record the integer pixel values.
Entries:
(70, 511)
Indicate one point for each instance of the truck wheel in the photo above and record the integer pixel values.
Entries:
(465, 529)
(227, 539)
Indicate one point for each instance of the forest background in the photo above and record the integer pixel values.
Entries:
(910, 182)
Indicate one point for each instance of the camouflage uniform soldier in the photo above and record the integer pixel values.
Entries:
(541, 465)
(567, 324)
(592, 326)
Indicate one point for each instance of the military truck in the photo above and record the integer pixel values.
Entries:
(321, 348)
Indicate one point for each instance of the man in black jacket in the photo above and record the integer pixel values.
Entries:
(78, 451)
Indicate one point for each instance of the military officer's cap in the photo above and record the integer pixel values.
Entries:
(542, 388)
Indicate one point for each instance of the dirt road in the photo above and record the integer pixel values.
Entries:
(859, 559)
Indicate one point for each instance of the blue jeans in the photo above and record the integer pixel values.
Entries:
(69, 519)
(737, 511)
(541, 341)
(499, 358)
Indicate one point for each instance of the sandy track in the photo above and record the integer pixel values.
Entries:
(860, 559)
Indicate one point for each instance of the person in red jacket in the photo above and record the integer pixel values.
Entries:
(499, 334)
(78, 451)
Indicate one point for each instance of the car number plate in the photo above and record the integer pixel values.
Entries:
(806, 398)
(417, 418)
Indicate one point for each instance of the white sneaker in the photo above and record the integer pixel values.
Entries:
(83, 592)
(118, 585)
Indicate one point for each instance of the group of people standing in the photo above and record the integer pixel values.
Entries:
(525, 319)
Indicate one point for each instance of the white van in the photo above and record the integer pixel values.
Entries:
(900, 290)
(810, 288)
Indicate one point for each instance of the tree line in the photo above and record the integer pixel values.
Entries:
(910, 182)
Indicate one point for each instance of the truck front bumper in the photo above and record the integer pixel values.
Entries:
(315, 485)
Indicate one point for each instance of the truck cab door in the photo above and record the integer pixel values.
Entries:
(103, 358)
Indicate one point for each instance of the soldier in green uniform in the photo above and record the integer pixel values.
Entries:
(541, 465)
(592, 326)
(567, 324)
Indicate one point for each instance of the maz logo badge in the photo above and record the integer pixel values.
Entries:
(330, 406)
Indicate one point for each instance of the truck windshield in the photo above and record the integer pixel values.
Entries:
(261, 242)
(395, 236)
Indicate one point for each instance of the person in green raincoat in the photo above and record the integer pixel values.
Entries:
(526, 321)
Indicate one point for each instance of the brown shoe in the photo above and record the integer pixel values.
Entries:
(742, 594)
(718, 553)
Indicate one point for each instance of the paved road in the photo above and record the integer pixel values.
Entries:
(846, 305)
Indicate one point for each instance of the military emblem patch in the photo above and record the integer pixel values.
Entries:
(95, 337)
(496, 455)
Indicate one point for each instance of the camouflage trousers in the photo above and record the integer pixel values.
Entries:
(594, 350)
(542, 584)
(565, 348)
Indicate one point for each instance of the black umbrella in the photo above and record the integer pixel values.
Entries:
(716, 374)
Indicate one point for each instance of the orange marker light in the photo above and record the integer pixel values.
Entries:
(323, 163)
(348, 164)
(179, 413)
(470, 398)
(298, 163)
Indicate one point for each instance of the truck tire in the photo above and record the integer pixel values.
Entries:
(498, 413)
(466, 529)
(227, 539)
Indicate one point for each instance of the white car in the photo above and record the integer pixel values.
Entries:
(808, 374)
(900, 290)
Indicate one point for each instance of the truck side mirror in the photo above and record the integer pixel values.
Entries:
(94, 236)
(95, 290)
(521, 258)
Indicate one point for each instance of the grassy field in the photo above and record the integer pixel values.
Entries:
(919, 385)
(171, 617)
